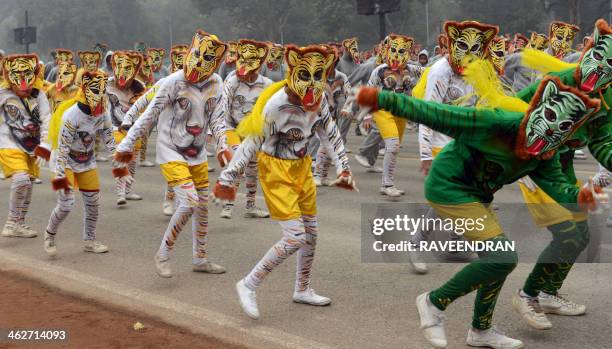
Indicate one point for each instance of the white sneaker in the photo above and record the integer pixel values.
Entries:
(37, 181)
(322, 182)
(211, 169)
(256, 212)
(133, 197)
(147, 163)
(390, 192)
(417, 263)
(374, 169)
(361, 160)
(309, 296)
(381, 152)
(557, 304)
(317, 181)
(347, 150)
(226, 212)
(101, 158)
(25, 231)
(209, 267)
(491, 338)
(579, 155)
(432, 321)
(162, 266)
(248, 300)
(2, 176)
(530, 310)
(121, 200)
(50, 245)
(168, 207)
(94, 247)
(18, 231)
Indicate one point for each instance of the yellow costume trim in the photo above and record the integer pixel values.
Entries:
(56, 119)
(253, 124)
(485, 81)
(419, 89)
(543, 62)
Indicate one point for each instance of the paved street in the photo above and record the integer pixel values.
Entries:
(373, 304)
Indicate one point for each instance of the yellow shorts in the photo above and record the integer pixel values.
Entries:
(178, 172)
(545, 211)
(485, 221)
(120, 135)
(233, 138)
(389, 125)
(288, 186)
(83, 181)
(14, 160)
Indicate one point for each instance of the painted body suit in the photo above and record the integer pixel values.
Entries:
(392, 128)
(336, 93)
(185, 106)
(24, 122)
(284, 120)
(237, 102)
(76, 163)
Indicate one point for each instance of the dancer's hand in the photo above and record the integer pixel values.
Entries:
(591, 197)
(425, 167)
(42, 153)
(367, 122)
(345, 180)
(223, 194)
(224, 157)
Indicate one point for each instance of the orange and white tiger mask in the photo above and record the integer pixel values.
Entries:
(352, 48)
(177, 57)
(20, 72)
(398, 51)
(560, 38)
(467, 41)
(93, 88)
(496, 52)
(157, 57)
(126, 65)
(63, 55)
(204, 56)
(251, 56)
(307, 75)
(90, 60)
(66, 73)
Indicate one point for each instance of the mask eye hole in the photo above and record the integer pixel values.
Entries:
(303, 75)
(318, 75)
(566, 125)
(475, 48)
(597, 55)
(550, 115)
(609, 61)
(393, 49)
(559, 37)
(209, 58)
(462, 45)
(499, 53)
(402, 51)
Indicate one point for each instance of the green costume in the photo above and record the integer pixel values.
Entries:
(481, 159)
(570, 238)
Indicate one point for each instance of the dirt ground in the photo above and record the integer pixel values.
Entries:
(28, 304)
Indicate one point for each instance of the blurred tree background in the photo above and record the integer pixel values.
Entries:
(78, 24)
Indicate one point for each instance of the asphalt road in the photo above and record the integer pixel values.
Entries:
(373, 303)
